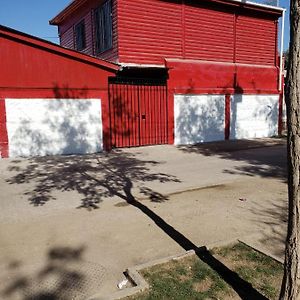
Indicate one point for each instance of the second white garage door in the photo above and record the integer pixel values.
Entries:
(199, 118)
(254, 116)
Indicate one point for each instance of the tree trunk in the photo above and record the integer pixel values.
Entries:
(290, 288)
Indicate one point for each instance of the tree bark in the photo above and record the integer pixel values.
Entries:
(290, 289)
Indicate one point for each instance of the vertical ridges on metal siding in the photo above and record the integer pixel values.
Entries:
(151, 30)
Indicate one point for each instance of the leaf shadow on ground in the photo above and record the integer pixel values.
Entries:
(94, 177)
(59, 278)
(254, 153)
(275, 217)
(261, 163)
(113, 175)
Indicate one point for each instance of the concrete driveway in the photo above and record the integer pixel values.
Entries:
(69, 226)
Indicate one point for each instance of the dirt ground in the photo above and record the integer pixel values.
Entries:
(71, 225)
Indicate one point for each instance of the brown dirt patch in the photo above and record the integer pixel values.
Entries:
(203, 285)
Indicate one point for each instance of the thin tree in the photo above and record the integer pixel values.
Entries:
(290, 288)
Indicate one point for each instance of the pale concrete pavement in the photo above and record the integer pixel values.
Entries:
(45, 238)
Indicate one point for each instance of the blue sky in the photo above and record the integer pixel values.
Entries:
(32, 16)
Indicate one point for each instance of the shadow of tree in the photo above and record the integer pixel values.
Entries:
(94, 177)
(244, 289)
(199, 118)
(254, 152)
(59, 279)
(68, 124)
(276, 218)
(112, 175)
(138, 110)
(260, 120)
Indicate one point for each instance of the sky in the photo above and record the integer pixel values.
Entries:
(32, 17)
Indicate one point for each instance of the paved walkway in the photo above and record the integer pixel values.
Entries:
(69, 226)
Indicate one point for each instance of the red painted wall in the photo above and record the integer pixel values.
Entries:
(3, 131)
(148, 31)
(32, 68)
(151, 30)
(25, 66)
(203, 77)
(67, 35)
(209, 32)
(256, 40)
(190, 77)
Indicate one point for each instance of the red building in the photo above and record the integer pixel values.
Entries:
(169, 71)
(217, 59)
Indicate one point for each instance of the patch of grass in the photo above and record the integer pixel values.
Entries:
(263, 272)
(191, 278)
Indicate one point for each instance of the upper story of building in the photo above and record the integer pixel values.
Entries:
(149, 31)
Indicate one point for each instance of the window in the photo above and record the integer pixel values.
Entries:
(80, 36)
(103, 25)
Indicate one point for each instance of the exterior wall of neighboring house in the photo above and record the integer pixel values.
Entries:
(52, 100)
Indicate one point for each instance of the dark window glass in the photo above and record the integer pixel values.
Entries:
(80, 36)
(103, 20)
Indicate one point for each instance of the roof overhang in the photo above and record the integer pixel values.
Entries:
(69, 9)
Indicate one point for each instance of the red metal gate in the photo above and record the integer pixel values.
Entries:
(138, 112)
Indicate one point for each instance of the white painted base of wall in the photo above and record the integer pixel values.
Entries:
(199, 118)
(254, 116)
(38, 127)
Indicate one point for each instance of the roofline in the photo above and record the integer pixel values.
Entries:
(49, 46)
(72, 6)
(272, 7)
(253, 5)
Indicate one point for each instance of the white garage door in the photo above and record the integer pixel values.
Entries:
(254, 116)
(199, 118)
(38, 127)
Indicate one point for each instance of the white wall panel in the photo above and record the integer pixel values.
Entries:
(38, 127)
(254, 116)
(199, 118)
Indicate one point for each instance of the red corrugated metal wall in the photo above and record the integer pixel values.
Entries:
(208, 33)
(255, 40)
(67, 36)
(151, 30)
(148, 31)
(138, 112)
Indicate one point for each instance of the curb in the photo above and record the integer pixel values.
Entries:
(141, 285)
